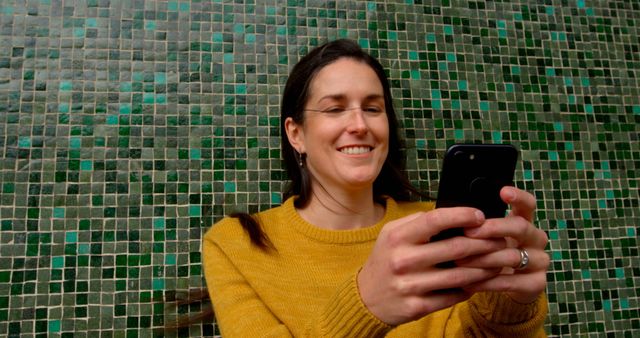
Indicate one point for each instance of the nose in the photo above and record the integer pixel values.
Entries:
(357, 122)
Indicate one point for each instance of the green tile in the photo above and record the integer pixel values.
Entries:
(159, 121)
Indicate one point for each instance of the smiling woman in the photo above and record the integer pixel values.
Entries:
(348, 254)
(300, 97)
(344, 148)
(391, 181)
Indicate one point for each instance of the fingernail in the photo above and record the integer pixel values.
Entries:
(511, 195)
(479, 216)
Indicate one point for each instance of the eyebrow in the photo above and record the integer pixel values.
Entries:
(338, 97)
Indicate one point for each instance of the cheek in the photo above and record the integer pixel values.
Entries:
(314, 138)
(322, 129)
(385, 152)
(383, 138)
(382, 132)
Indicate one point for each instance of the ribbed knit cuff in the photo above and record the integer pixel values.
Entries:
(499, 308)
(499, 312)
(347, 316)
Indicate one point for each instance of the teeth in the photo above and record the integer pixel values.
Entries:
(355, 150)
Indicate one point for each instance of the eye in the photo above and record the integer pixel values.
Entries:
(373, 109)
(334, 110)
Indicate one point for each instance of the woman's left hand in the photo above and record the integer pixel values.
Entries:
(522, 285)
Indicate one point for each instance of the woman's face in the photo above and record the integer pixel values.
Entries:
(345, 133)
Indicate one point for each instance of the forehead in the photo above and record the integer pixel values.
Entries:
(345, 76)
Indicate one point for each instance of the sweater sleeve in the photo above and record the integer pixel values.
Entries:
(238, 309)
(496, 314)
(241, 313)
(345, 315)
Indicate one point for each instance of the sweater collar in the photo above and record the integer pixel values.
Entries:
(314, 232)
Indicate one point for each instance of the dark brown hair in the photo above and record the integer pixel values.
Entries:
(392, 180)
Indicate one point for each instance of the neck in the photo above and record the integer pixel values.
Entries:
(342, 210)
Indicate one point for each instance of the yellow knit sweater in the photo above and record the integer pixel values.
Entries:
(307, 287)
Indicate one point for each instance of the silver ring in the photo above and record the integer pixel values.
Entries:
(524, 260)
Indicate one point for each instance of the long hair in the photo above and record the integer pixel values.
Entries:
(392, 180)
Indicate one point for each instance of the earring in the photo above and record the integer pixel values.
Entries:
(300, 159)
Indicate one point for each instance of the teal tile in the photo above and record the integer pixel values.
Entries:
(54, 326)
(57, 262)
(114, 130)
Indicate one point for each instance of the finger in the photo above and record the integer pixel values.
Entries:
(521, 202)
(421, 257)
(518, 228)
(435, 301)
(527, 285)
(439, 279)
(420, 227)
(510, 257)
(416, 307)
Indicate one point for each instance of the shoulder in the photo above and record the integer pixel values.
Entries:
(230, 228)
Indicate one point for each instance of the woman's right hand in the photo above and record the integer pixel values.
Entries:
(399, 282)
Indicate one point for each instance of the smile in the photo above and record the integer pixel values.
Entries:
(355, 150)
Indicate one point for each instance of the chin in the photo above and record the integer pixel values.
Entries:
(361, 181)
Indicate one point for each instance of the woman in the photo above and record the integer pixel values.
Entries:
(347, 254)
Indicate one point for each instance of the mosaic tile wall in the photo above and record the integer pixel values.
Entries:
(128, 127)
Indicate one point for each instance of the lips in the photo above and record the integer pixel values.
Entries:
(355, 150)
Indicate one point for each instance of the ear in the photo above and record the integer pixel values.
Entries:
(295, 134)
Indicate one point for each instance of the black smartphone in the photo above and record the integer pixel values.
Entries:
(472, 175)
